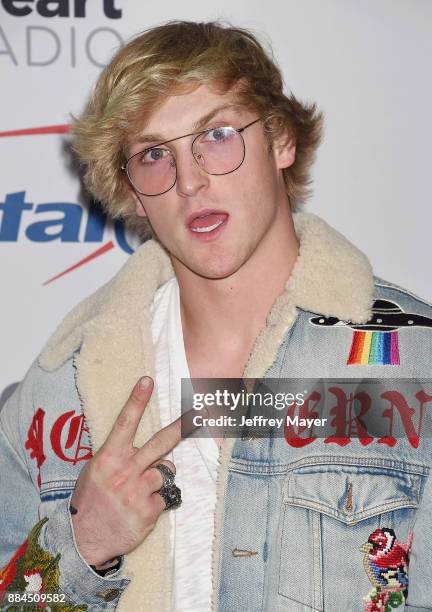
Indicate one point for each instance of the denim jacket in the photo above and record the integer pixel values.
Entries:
(319, 526)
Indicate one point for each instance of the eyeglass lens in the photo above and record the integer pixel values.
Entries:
(217, 151)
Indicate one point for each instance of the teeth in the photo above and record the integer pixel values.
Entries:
(206, 229)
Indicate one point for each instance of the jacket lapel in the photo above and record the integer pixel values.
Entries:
(114, 334)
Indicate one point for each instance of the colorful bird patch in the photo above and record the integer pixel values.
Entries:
(32, 569)
(376, 342)
(386, 564)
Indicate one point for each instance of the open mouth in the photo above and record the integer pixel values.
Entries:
(207, 222)
(209, 228)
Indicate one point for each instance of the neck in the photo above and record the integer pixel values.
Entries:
(230, 312)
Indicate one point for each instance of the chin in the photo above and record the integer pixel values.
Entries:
(217, 269)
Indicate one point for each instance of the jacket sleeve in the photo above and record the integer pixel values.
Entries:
(420, 565)
(39, 553)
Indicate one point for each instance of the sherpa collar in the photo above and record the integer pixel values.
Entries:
(112, 329)
(330, 277)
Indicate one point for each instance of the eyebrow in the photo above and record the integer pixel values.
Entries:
(196, 127)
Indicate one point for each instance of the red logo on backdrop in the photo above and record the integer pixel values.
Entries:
(68, 225)
(47, 129)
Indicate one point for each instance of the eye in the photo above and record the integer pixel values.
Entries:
(157, 154)
(219, 134)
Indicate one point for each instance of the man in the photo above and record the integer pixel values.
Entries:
(189, 135)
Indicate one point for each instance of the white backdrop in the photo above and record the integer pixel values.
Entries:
(366, 63)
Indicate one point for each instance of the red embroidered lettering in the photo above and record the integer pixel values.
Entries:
(398, 401)
(291, 436)
(347, 424)
(77, 426)
(34, 441)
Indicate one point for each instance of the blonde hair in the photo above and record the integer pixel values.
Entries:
(169, 58)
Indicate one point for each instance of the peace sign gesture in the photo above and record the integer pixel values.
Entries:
(116, 494)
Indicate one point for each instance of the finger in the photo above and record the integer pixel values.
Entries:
(124, 429)
(166, 462)
(159, 445)
(153, 478)
(189, 424)
(157, 502)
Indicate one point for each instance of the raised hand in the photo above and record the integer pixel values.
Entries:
(116, 493)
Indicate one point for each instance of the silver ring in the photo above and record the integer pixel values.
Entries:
(171, 496)
(167, 474)
(170, 492)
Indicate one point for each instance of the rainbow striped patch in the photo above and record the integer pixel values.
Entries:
(374, 348)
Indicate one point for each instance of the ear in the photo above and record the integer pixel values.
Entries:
(139, 206)
(284, 150)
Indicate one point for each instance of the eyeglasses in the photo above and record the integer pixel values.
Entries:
(217, 151)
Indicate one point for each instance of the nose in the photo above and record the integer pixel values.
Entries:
(191, 178)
